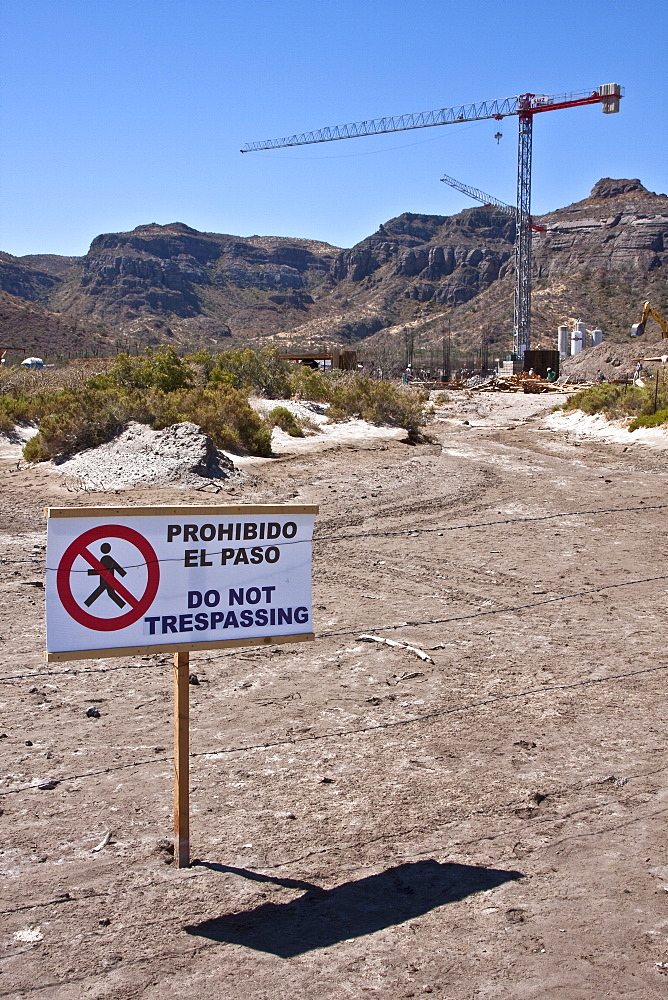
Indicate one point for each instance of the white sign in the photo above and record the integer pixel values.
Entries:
(136, 579)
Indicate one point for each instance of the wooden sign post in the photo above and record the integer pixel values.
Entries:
(122, 581)
(181, 760)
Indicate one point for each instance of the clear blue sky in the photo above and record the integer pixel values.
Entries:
(122, 112)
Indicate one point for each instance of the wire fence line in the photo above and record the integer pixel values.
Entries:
(494, 611)
(401, 532)
(485, 811)
(510, 609)
(341, 733)
(74, 671)
(485, 524)
(491, 810)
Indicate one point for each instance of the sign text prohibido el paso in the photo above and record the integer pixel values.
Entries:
(128, 580)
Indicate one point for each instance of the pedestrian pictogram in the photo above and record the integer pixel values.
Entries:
(108, 570)
(112, 566)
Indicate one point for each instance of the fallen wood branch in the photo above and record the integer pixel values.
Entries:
(103, 843)
(400, 645)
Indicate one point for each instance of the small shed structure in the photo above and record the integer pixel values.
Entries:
(337, 358)
(540, 361)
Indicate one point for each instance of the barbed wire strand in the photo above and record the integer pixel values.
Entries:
(511, 609)
(360, 730)
(485, 524)
(372, 534)
(494, 611)
(489, 810)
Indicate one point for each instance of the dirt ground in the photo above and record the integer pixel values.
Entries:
(489, 826)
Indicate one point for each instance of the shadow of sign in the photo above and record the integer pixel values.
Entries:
(322, 917)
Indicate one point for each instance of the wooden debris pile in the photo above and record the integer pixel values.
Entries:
(523, 382)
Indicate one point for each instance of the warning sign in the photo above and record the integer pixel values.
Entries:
(128, 580)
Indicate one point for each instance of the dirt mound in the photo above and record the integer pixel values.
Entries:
(180, 455)
(614, 360)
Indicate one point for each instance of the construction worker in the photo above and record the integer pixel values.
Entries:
(551, 375)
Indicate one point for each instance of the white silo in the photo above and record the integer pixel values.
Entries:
(562, 340)
(578, 337)
(596, 337)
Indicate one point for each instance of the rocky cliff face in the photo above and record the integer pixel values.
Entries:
(24, 281)
(170, 269)
(621, 227)
(451, 259)
(160, 282)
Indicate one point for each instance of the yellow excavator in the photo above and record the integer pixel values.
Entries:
(648, 310)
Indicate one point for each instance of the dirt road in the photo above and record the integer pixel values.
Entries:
(492, 826)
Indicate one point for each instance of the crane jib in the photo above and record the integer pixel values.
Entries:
(396, 123)
(525, 104)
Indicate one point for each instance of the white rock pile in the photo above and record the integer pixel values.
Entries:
(181, 455)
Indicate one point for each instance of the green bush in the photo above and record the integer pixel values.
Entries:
(71, 421)
(379, 403)
(308, 383)
(14, 411)
(162, 369)
(619, 401)
(35, 450)
(262, 372)
(602, 398)
(203, 361)
(281, 417)
(224, 414)
(650, 420)
(158, 389)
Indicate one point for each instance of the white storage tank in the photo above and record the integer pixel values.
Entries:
(578, 337)
(562, 342)
(596, 337)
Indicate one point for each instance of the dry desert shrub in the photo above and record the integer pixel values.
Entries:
(647, 404)
(281, 417)
(74, 411)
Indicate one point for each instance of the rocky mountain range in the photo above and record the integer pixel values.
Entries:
(597, 260)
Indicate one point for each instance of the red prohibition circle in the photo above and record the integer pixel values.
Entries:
(77, 548)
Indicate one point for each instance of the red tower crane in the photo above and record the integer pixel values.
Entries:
(525, 106)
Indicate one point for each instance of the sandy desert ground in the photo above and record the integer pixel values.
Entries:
(366, 824)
